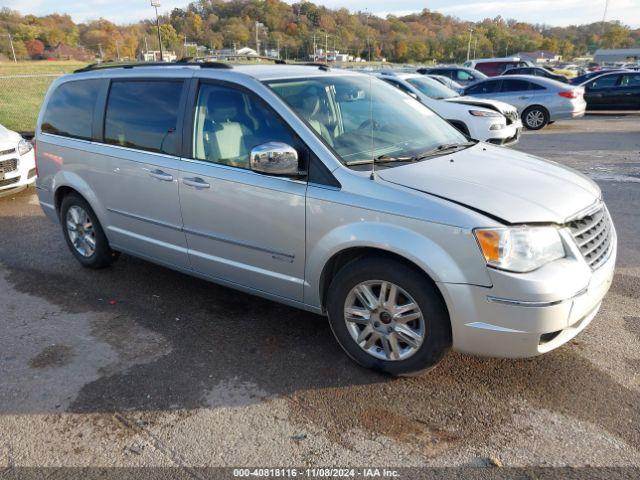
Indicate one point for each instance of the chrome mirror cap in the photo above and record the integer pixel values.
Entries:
(275, 158)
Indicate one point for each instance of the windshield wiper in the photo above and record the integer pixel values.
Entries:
(443, 149)
(439, 150)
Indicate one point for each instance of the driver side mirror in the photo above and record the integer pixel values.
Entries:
(275, 158)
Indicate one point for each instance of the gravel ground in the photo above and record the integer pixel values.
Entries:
(138, 365)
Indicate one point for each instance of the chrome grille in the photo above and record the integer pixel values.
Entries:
(594, 237)
(7, 152)
(10, 165)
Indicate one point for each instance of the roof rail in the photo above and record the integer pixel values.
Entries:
(182, 62)
(321, 66)
(277, 61)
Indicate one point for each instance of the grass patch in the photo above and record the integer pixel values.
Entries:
(21, 97)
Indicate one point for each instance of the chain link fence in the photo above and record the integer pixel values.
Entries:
(20, 100)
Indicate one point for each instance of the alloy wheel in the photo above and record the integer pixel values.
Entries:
(535, 118)
(80, 230)
(384, 320)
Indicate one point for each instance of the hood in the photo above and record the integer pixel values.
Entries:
(509, 185)
(496, 105)
(8, 137)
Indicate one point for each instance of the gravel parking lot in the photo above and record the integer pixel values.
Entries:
(138, 365)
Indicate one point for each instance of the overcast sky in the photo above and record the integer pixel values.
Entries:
(550, 12)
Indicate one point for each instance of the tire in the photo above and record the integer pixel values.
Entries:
(535, 117)
(98, 255)
(436, 327)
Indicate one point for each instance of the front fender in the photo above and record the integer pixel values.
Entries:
(445, 253)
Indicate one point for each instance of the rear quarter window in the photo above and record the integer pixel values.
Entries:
(69, 111)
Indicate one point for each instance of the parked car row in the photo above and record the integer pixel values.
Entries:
(482, 119)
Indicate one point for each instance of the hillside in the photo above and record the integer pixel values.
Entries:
(420, 37)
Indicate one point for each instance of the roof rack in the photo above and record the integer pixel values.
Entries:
(182, 62)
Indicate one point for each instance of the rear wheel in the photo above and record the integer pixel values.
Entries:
(83, 233)
(535, 117)
(388, 316)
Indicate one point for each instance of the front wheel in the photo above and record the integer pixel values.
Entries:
(535, 118)
(388, 316)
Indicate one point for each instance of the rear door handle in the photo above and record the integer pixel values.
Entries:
(196, 182)
(160, 175)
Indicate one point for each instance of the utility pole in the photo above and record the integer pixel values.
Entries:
(469, 45)
(368, 42)
(604, 18)
(314, 47)
(13, 52)
(326, 48)
(156, 4)
(100, 50)
(475, 45)
(117, 50)
(506, 49)
(257, 40)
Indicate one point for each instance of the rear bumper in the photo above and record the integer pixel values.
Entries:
(24, 174)
(576, 112)
(490, 322)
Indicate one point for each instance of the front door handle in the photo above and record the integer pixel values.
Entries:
(160, 175)
(196, 182)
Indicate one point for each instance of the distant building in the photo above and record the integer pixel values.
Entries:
(233, 52)
(67, 52)
(540, 57)
(610, 55)
(154, 56)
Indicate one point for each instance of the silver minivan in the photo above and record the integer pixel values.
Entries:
(330, 191)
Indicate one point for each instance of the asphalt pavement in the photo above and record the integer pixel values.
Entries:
(138, 365)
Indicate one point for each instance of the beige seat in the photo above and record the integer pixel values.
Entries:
(310, 109)
(226, 136)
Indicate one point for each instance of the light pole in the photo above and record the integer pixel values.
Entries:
(156, 4)
(469, 45)
(15, 60)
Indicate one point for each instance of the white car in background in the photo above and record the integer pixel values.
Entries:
(17, 160)
(485, 120)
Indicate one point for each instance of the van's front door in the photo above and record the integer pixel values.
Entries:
(242, 227)
(138, 163)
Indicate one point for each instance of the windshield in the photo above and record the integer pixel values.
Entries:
(432, 88)
(363, 118)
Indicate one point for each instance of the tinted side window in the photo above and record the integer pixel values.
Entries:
(483, 87)
(630, 80)
(70, 109)
(230, 122)
(605, 82)
(143, 115)
(464, 76)
(514, 85)
(398, 85)
(535, 86)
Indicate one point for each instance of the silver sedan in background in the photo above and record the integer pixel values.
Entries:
(539, 101)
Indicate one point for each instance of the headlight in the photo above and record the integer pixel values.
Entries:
(483, 113)
(24, 146)
(520, 249)
(497, 126)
